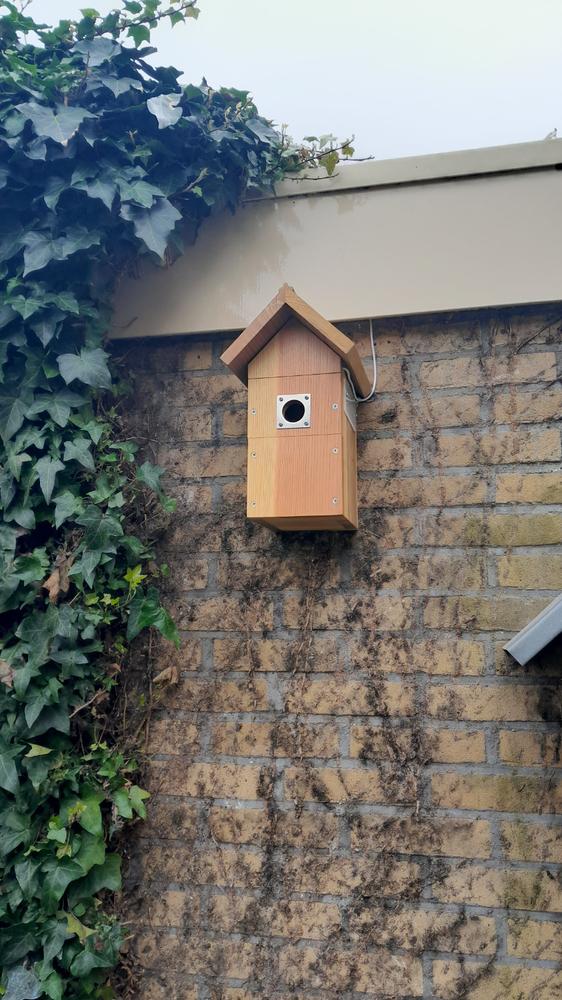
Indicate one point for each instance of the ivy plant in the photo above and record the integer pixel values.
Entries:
(104, 157)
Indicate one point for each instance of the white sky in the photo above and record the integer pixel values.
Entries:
(403, 76)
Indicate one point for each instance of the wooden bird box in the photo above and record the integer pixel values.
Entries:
(302, 449)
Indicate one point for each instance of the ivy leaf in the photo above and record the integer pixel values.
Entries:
(22, 984)
(31, 568)
(8, 773)
(146, 611)
(137, 798)
(79, 451)
(57, 876)
(59, 125)
(154, 225)
(150, 475)
(101, 530)
(120, 85)
(106, 876)
(96, 51)
(90, 367)
(139, 33)
(66, 505)
(38, 751)
(47, 469)
(165, 110)
(13, 411)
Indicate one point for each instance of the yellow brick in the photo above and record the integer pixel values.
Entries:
(275, 739)
(164, 654)
(167, 909)
(497, 447)
(234, 825)
(391, 377)
(340, 876)
(188, 573)
(451, 746)
(534, 406)
(460, 372)
(265, 655)
(209, 614)
(518, 890)
(529, 572)
(269, 571)
(528, 841)
(167, 356)
(419, 930)
(437, 491)
(406, 413)
(284, 918)
(170, 819)
(414, 572)
(502, 793)
(173, 736)
(165, 986)
(528, 749)
(348, 969)
(481, 613)
(535, 939)
(384, 453)
(194, 461)
(395, 531)
(343, 611)
(431, 836)
(202, 695)
(481, 703)
(195, 954)
(430, 656)
(505, 530)
(200, 780)
(234, 422)
(336, 696)
(323, 784)
(178, 424)
(501, 982)
(542, 487)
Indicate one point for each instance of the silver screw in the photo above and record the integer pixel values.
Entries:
(280, 399)
(279, 424)
(253, 503)
(334, 406)
(253, 412)
(307, 397)
(253, 454)
(306, 423)
(334, 451)
(334, 499)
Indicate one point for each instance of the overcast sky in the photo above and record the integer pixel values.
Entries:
(403, 76)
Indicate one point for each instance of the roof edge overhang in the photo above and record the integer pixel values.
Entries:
(287, 303)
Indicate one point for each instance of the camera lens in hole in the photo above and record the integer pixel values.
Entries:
(293, 411)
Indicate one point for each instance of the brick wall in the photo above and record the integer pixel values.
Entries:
(355, 792)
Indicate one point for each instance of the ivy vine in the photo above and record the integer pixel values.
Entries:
(102, 155)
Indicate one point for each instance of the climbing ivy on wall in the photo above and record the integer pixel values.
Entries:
(102, 155)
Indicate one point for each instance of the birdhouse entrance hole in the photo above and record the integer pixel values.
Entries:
(293, 411)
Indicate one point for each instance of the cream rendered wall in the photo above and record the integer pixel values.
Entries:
(457, 231)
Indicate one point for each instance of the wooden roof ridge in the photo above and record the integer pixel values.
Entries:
(260, 331)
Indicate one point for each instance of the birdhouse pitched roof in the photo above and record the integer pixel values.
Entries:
(284, 305)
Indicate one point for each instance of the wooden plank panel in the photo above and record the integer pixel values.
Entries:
(324, 390)
(294, 351)
(292, 477)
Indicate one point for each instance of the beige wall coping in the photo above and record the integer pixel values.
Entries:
(461, 230)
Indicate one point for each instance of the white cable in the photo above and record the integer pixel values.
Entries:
(365, 399)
